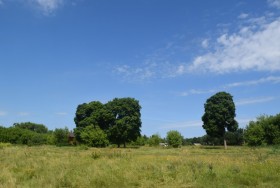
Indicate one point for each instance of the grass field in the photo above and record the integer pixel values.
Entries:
(49, 166)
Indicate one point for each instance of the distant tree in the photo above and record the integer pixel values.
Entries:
(236, 137)
(254, 134)
(61, 136)
(39, 128)
(154, 140)
(94, 136)
(265, 130)
(127, 120)
(219, 116)
(141, 140)
(174, 138)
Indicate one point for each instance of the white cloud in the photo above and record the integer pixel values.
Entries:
(183, 124)
(243, 16)
(197, 92)
(274, 3)
(254, 101)
(48, 7)
(254, 47)
(205, 43)
(270, 79)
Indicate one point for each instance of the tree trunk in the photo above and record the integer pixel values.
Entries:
(225, 142)
(124, 145)
(119, 145)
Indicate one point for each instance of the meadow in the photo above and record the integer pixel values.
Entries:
(190, 166)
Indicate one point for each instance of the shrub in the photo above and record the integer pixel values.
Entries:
(94, 136)
(154, 140)
(174, 139)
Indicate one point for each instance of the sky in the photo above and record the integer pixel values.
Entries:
(171, 56)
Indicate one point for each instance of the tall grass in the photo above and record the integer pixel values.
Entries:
(48, 166)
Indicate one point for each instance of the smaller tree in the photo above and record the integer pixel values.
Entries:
(174, 138)
(94, 136)
(61, 136)
(154, 140)
(254, 134)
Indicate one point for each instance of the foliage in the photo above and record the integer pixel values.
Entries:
(154, 140)
(265, 130)
(174, 138)
(120, 119)
(16, 135)
(219, 115)
(236, 137)
(140, 141)
(61, 136)
(38, 128)
(127, 122)
(94, 136)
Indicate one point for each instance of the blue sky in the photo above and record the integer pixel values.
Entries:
(169, 55)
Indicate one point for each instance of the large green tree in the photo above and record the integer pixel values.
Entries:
(127, 120)
(120, 119)
(219, 116)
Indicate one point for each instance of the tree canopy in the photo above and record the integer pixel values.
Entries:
(38, 128)
(120, 119)
(219, 115)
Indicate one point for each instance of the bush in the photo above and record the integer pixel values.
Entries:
(94, 136)
(154, 140)
(254, 134)
(61, 137)
(174, 139)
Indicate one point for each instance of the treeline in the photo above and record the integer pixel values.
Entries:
(264, 131)
(28, 133)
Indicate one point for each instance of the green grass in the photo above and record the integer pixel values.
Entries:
(48, 166)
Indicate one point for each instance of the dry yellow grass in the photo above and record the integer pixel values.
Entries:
(48, 166)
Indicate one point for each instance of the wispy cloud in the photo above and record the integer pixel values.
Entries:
(3, 113)
(254, 100)
(205, 43)
(61, 113)
(197, 92)
(23, 113)
(183, 124)
(243, 16)
(150, 70)
(274, 3)
(265, 80)
(255, 47)
(47, 7)
(270, 79)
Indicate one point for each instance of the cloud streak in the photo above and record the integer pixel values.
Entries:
(270, 79)
(184, 124)
(265, 80)
(254, 101)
